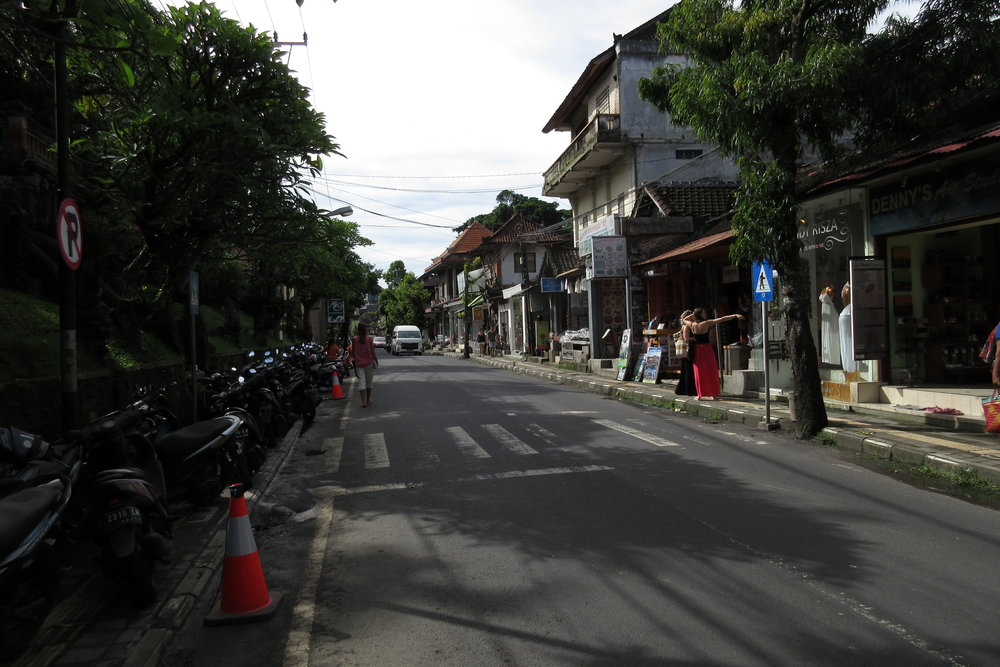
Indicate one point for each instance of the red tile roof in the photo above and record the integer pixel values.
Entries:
(518, 229)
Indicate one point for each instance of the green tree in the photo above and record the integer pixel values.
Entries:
(395, 274)
(404, 303)
(510, 203)
(763, 82)
(196, 149)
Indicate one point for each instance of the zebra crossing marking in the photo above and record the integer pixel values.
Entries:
(465, 443)
(636, 433)
(335, 450)
(508, 440)
(376, 454)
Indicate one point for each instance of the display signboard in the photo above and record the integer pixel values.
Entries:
(624, 354)
(651, 372)
(868, 309)
(610, 258)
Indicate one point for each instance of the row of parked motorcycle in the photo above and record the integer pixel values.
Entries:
(114, 483)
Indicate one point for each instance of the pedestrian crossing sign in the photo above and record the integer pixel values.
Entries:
(763, 281)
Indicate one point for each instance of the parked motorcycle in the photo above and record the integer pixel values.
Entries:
(36, 485)
(123, 499)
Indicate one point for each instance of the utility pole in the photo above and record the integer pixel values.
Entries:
(67, 280)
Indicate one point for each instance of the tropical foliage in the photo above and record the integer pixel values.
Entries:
(777, 82)
(193, 146)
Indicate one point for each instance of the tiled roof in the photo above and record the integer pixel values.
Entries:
(470, 239)
(563, 260)
(866, 165)
(682, 199)
(518, 229)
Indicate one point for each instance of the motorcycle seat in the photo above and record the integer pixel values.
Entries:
(190, 438)
(22, 510)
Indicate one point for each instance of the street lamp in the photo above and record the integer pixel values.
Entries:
(343, 211)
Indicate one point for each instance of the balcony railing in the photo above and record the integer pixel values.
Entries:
(603, 128)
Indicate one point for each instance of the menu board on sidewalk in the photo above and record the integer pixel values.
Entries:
(625, 354)
(651, 372)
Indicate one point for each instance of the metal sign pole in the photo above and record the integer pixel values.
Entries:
(763, 291)
(767, 367)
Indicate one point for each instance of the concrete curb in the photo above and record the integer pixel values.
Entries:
(888, 447)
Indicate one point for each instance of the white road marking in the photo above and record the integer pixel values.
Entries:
(334, 448)
(508, 440)
(376, 454)
(513, 474)
(465, 443)
(543, 433)
(635, 433)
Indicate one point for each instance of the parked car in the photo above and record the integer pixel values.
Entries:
(380, 342)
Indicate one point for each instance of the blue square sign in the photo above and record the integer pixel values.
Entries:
(762, 284)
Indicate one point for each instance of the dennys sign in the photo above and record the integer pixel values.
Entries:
(964, 190)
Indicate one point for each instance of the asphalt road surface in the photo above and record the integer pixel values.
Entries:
(472, 516)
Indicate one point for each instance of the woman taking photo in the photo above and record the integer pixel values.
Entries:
(702, 354)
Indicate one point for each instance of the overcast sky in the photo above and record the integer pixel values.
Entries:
(437, 105)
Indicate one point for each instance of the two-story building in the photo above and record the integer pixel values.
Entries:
(445, 278)
(620, 145)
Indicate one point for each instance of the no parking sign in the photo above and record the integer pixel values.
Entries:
(69, 233)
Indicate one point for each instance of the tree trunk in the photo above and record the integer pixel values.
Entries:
(810, 410)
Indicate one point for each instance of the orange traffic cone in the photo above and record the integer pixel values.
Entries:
(336, 391)
(244, 597)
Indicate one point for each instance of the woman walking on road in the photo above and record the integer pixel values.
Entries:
(365, 362)
(706, 366)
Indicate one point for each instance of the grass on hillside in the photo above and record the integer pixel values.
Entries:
(30, 348)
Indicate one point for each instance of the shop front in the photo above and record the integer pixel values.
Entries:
(929, 228)
(939, 230)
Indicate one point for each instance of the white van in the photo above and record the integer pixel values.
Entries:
(407, 338)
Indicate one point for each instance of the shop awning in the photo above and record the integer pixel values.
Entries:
(699, 248)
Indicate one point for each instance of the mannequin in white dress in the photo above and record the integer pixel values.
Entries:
(829, 328)
(846, 335)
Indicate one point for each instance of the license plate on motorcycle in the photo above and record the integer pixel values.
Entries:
(126, 516)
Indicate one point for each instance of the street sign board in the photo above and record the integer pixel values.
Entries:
(69, 233)
(763, 281)
(335, 311)
(194, 302)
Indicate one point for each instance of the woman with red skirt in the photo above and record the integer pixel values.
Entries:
(702, 354)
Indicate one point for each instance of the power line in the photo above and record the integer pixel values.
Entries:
(436, 192)
(426, 177)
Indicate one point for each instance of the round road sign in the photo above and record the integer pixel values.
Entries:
(69, 232)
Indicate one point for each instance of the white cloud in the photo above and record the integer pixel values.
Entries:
(438, 88)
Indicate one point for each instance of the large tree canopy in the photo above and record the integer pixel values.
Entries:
(772, 80)
(763, 82)
(194, 144)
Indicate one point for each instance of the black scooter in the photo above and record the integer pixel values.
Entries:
(36, 485)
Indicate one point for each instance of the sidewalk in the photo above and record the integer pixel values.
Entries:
(942, 442)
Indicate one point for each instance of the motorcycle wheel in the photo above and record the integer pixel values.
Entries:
(132, 564)
(210, 489)
(22, 612)
(278, 428)
(256, 456)
(236, 469)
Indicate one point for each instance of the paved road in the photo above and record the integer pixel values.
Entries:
(472, 516)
